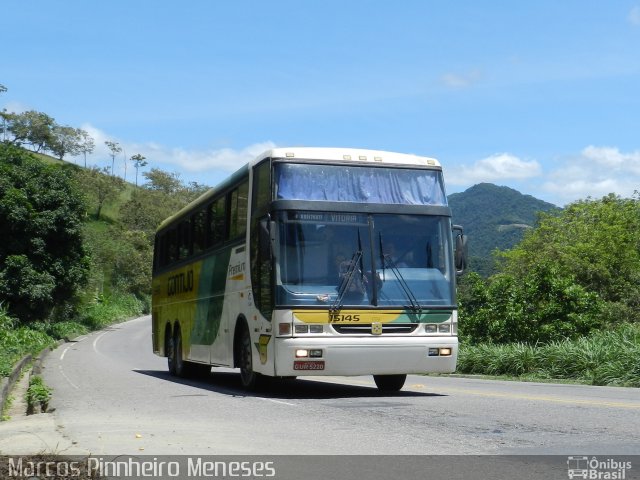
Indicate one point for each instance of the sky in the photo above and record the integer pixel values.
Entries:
(541, 96)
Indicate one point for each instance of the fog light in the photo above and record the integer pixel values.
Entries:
(315, 353)
(301, 353)
(445, 352)
(316, 329)
(430, 328)
(434, 352)
(444, 328)
(284, 329)
(302, 328)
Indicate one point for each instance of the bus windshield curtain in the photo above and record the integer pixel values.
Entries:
(333, 183)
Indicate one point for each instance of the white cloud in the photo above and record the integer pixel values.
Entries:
(16, 107)
(595, 172)
(498, 167)
(457, 80)
(226, 159)
(613, 158)
(634, 16)
(206, 166)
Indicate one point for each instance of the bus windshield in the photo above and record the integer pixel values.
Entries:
(353, 259)
(360, 184)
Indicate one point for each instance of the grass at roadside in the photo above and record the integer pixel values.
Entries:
(604, 358)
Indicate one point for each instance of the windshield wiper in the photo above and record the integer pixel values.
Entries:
(346, 281)
(387, 260)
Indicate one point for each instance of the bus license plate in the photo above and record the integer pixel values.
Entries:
(308, 365)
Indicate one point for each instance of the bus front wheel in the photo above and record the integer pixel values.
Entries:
(248, 377)
(389, 383)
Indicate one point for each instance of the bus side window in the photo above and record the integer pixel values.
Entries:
(184, 240)
(172, 246)
(217, 224)
(238, 215)
(198, 231)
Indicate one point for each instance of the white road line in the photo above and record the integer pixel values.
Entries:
(64, 352)
(276, 401)
(67, 378)
(95, 342)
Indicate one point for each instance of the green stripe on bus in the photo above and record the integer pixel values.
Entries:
(213, 280)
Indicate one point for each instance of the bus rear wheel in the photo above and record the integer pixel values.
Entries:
(389, 383)
(174, 355)
(179, 367)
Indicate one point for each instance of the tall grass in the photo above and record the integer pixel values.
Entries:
(603, 358)
(17, 341)
(108, 310)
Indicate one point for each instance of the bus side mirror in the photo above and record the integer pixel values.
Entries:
(460, 252)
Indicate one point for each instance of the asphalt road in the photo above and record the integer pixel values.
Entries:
(113, 396)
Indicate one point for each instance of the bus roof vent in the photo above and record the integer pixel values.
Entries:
(290, 154)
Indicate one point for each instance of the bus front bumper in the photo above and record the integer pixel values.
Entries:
(365, 355)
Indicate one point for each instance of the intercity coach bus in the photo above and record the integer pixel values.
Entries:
(312, 261)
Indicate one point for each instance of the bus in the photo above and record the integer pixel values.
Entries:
(312, 261)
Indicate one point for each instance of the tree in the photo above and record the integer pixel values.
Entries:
(100, 186)
(43, 260)
(597, 242)
(115, 149)
(162, 196)
(161, 181)
(2, 88)
(32, 128)
(6, 122)
(138, 162)
(64, 140)
(577, 271)
(85, 145)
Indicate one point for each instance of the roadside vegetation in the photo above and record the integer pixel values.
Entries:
(77, 248)
(565, 303)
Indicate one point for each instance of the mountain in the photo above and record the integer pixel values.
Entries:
(494, 217)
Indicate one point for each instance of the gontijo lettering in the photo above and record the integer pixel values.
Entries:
(180, 283)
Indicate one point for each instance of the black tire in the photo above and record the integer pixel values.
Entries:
(250, 380)
(389, 383)
(170, 348)
(180, 368)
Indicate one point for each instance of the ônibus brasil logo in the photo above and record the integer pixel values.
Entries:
(596, 468)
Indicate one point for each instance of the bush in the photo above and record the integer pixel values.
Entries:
(108, 310)
(541, 306)
(603, 358)
(38, 395)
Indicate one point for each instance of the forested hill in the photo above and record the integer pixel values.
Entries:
(494, 217)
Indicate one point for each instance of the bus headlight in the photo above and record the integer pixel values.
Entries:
(301, 328)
